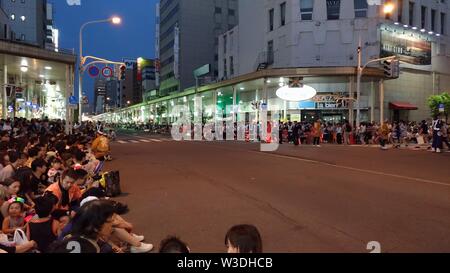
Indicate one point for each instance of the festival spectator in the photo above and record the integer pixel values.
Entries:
(243, 239)
(173, 244)
(43, 229)
(15, 219)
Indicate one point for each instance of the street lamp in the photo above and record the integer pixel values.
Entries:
(388, 8)
(114, 20)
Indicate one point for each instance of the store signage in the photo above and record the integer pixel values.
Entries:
(409, 46)
(441, 108)
(130, 64)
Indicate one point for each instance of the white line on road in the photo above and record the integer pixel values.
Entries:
(155, 140)
(426, 181)
(122, 142)
(134, 141)
(359, 170)
(144, 140)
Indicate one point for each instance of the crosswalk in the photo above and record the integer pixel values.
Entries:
(141, 140)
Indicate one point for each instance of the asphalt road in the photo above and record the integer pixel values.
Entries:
(302, 199)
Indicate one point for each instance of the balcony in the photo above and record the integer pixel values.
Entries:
(264, 60)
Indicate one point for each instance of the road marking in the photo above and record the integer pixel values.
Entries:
(358, 169)
(134, 141)
(426, 181)
(122, 142)
(144, 140)
(155, 140)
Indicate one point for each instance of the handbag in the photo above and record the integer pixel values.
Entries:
(112, 184)
(20, 238)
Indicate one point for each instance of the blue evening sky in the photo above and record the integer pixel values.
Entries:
(132, 39)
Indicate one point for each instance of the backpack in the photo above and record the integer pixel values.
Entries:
(103, 145)
(110, 182)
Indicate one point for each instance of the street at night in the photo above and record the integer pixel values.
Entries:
(303, 199)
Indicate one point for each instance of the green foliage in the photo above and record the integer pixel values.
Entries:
(434, 102)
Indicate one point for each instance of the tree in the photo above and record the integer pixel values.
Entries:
(436, 100)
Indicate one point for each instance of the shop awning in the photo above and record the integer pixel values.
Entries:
(402, 106)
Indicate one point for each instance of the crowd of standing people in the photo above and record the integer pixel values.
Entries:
(435, 132)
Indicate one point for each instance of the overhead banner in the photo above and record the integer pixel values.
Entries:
(409, 46)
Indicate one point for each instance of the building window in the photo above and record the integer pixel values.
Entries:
(400, 10)
(13, 17)
(306, 9)
(218, 10)
(270, 52)
(231, 66)
(283, 14)
(443, 23)
(333, 9)
(224, 44)
(23, 18)
(22, 37)
(271, 19)
(231, 12)
(423, 16)
(433, 20)
(411, 13)
(361, 7)
(225, 73)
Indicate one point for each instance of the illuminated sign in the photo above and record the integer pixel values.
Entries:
(409, 46)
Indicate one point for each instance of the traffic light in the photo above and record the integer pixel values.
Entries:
(123, 70)
(392, 68)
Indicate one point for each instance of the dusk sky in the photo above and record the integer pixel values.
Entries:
(132, 39)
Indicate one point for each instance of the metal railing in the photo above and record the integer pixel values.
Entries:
(264, 59)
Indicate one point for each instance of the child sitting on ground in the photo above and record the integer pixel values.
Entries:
(55, 170)
(15, 219)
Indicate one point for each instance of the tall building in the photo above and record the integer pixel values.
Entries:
(31, 22)
(112, 93)
(188, 33)
(131, 86)
(99, 95)
(323, 35)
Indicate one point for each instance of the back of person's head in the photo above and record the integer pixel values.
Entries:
(173, 244)
(81, 174)
(51, 197)
(44, 206)
(244, 238)
(38, 163)
(79, 155)
(91, 217)
(13, 156)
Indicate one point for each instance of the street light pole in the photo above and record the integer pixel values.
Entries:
(114, 20)
(358, 84)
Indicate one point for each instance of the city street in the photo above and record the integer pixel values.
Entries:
(303, 199)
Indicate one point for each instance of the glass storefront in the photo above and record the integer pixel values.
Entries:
(244, 100)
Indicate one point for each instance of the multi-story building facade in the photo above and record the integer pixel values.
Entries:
(100, 95)
(326, 34)
(187, 39)
(31, 22)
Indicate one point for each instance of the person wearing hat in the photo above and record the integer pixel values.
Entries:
(100, 146)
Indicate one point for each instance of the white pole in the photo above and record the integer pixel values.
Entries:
(5, 96)
(382, 101)
(358, 84)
